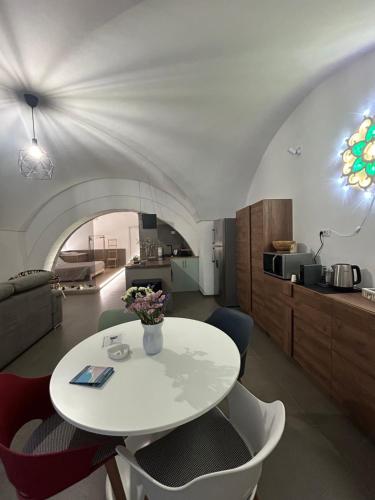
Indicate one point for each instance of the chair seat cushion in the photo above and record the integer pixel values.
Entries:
(55, 434)
(208, 444)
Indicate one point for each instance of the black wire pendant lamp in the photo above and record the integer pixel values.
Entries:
(34, 162)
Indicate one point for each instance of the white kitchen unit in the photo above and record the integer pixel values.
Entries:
(185, 274)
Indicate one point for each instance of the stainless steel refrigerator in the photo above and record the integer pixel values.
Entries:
(223, 259)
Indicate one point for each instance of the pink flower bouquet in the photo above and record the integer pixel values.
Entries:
(148, 305)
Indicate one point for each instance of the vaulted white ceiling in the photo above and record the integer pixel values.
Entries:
(183, 94)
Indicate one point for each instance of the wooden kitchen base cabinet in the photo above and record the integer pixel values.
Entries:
(353, 362)
(312, 351)
(331, 336)
(355, 391)
(275, 314)
(312, 334)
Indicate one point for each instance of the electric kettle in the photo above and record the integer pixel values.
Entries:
(343, 276)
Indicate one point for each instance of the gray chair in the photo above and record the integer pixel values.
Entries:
(113, 317)
(237, 325)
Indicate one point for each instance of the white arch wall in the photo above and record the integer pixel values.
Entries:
(62, 214)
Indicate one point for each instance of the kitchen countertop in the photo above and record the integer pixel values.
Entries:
(166, 262)
(354, 299)
(156, 263)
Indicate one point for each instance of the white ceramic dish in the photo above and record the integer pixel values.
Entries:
(369, 293)
(118, 351)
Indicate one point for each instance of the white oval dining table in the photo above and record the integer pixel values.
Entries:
(196, 369)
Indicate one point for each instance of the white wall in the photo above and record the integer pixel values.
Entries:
(12, 259)
(112, 225)
(320, 124)
(116, 225)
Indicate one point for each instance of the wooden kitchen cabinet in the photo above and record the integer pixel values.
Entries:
(275, 311)
(256, 227)
(353, 362)
(269, 220)
(312, 335)
(331, 336)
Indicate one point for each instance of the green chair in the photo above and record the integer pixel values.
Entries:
(113, 317)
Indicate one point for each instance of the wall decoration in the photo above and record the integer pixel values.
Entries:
(359, 157)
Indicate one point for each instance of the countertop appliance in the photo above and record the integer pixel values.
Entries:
(224, 261)
(310, 274)
(343, 276)
(284, 264)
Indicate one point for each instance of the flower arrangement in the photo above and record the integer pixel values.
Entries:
(148, 305)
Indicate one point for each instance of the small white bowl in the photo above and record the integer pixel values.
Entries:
(118, 351)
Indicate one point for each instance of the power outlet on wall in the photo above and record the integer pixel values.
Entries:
(326, 233)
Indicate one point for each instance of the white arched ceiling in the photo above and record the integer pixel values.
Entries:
(181, 94)
(64, 213)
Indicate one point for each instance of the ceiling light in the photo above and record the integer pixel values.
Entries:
(34, 162)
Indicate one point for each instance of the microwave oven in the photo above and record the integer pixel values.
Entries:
(283, 265)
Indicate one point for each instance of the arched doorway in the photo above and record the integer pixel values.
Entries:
(69, 210)
(97, 252)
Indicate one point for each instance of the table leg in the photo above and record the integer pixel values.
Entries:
(115, 479)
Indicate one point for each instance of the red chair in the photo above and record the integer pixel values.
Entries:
(57, 455)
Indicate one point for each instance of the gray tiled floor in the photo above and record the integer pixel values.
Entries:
(321, 455)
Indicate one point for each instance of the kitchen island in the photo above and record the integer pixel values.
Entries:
(150, 269)
(177, 274)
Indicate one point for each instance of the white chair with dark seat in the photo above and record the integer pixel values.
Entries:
(210, 458)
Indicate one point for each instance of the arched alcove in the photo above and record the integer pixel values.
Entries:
(68, 210)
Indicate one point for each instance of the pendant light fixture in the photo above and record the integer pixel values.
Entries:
(34, 162)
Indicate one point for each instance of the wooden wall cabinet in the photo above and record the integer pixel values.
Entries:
(256, 227)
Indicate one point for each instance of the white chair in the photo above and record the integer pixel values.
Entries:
(259, 424)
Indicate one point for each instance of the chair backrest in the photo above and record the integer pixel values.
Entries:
(42, 475)
(261, 426)
(235, 324)
(21, 400)
(113, 317)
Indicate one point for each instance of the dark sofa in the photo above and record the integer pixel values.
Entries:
(29, 309)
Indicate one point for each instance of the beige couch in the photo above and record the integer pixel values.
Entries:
(28, 310)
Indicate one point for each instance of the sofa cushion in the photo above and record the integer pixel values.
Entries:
(6, 290)
(30, 281)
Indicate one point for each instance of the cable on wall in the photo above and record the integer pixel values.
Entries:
(357, 229)
(325, 233)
